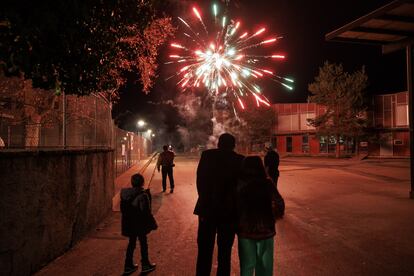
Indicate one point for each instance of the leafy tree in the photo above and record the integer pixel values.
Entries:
(81, 46)
(257, 124)
(342, 94)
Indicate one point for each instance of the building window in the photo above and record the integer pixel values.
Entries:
(323, 144)
(332, 144)
(288, 144)
(305, 143)
(304, 124)
(402, 115)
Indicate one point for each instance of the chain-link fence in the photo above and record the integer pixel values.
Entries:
(38, 119)
(82, 122)
(130, 148)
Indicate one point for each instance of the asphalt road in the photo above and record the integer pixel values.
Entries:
(342, 218)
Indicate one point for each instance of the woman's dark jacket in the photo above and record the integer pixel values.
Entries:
(136, 212)
(256, 219)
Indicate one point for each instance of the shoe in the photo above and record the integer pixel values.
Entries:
(130, 269)
(148, 267)
(171, 191)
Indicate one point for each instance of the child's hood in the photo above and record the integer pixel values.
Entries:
(129, 193)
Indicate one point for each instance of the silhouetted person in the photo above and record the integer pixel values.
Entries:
(217, 175)
(256, 218)
(166, 161)
(137, 222)
(271, 163)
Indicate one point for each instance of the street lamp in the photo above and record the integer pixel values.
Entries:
(141, 124)
(149, 132)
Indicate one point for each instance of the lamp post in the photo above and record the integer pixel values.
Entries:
(149, 134)
(140, 124)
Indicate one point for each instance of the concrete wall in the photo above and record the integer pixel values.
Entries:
(48, 201)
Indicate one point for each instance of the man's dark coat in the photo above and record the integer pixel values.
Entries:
(217, 175)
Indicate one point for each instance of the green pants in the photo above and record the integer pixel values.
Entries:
(256, 257)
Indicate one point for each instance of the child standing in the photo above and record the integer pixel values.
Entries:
(137, 222)
(256, 195)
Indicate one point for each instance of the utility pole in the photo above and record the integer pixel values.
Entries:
(63, 119)
(410, 88)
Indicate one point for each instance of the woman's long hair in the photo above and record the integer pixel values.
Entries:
(253, 167)
(254, 197)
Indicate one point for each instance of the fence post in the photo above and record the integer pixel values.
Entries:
(115, 152)
(40, 143)
(8, 136)
(63, 119)
(96, 142)
(110, 123)
(410, 89)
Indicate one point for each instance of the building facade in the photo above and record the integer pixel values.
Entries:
(390, 120)
(292, 134)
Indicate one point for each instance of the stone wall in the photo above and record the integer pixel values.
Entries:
(48, 201)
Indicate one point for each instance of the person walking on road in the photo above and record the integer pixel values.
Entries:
(137, 222)
(271, 163)
(166, 161)
(217, 175)
(257, 201)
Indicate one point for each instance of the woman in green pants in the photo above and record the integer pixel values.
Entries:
(256, 194)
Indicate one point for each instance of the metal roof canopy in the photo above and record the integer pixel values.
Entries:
(392, 28)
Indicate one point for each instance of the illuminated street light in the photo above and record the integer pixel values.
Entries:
(149, 131)
(141, 123)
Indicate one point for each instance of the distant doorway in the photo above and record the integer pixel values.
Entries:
(288, 144)
(386, 146)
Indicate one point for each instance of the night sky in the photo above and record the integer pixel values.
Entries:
(303, 24)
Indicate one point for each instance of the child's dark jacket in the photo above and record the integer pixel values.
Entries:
(137, 218)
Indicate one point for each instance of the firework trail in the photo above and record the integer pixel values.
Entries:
(224, 60)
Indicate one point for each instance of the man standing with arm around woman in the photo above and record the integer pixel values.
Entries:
(217, 175)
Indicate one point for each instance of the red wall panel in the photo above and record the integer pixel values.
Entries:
(297, 144)
(404, 149)
(281, 144)
(314, 145)
(374, 149)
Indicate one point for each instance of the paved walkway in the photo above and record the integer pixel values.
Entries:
(101, 252)
(342, 218)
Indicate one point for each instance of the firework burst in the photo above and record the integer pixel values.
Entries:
(224, 60)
